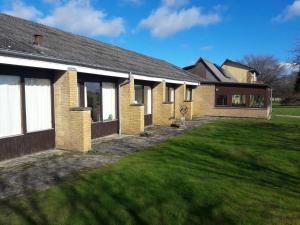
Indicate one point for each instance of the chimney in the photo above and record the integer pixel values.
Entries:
(38, 39)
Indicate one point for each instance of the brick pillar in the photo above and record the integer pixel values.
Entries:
(132, 115)
(162, 110)
(72, 124)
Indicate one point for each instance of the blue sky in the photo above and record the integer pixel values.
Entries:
(179, 31)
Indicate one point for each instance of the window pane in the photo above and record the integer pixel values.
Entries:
(221, 100)
(10, 106)
(109, 101)
(171, 94)
(189, 94)
(38, 104)
(93, 99)
(139, 95)
(238, 100)
(148, 99)
(257, 101)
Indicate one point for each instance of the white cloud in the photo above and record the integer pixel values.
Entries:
(20, 9)
(167, 20)
(206, 48)
(78, 16)
(132, 2)
(290, 12)
(174, 3)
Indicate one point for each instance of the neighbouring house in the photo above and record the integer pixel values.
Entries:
(221, 94)
(242, 73)
(60, 90)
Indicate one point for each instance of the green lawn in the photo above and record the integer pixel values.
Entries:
(226, 172)
(286, 110)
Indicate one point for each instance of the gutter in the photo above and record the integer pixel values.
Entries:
(38, 61)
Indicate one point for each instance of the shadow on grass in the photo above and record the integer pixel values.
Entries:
(205, 177)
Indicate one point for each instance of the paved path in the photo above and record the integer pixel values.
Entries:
(42, 170)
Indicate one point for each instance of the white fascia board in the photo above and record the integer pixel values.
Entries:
(141, 77)
(58, 66)
(157, 79)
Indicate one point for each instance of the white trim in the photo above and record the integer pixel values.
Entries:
(156, 79)
(140, 77)
(58, 66)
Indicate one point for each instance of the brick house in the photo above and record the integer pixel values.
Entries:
(60, 90)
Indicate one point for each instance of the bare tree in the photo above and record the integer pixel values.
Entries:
(297, 54)
(267, 65)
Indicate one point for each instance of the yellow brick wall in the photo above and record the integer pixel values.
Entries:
(132, 116)
(69, 125)
(162, 111)
(204, 105)
(180, 101)
(241, 75)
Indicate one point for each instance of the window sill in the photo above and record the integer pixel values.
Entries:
(36, 131)
(188, 100)
(168, 102)
(12, 136)
(80, 109)
(105, 121)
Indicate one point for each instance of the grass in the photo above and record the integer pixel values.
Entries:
(286, 110)
(226, 172)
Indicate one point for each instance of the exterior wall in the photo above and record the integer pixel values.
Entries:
(204, 105)
(180, 101)
(162, 111)
(241, 75)
(200, 70)
(73, 127)
(132, 115)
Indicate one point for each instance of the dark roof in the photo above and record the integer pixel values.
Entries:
(220, 74)
(16, 37)
(238, 64)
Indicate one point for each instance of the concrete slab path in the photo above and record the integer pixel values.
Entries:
(42, 170)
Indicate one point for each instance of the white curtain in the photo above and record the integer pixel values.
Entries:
(148, 100)
(171, 94)
(10, 106)
(109, 101)
(38, 104)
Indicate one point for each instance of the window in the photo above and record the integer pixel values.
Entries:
(93, 100)
(10, 106)
(170, 94)
(221, 100)
(239, 100)
(188, 94)
(139, 94)
(109, 101)
(257, 101)
(38, 104)
(148, 100)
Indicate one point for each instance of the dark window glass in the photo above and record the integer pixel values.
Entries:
(239, 100)
(139, 94)
(94, 99)
(221, 100)
(257, 101)
(188, 94)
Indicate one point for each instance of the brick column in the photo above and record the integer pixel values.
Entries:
(162, 111)
(72, 124)
(132, 115)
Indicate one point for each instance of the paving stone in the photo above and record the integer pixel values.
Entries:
(42, 170)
